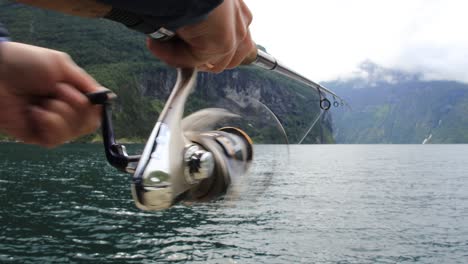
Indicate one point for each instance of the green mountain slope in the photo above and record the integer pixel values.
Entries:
(390, 106)
(118, 59)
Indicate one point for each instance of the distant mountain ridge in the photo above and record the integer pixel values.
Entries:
(393, 106)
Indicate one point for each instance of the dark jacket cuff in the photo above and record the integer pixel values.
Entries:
(4, 36)
(149, 16)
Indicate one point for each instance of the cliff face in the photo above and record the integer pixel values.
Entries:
(235, 85)
(248, 92)
(118, 59)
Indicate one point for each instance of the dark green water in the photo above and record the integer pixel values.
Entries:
(68, 205)
(326, 204)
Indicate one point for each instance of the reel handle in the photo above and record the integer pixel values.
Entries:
(116, 154)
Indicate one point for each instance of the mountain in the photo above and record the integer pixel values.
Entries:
(118, 59)
(393, 106)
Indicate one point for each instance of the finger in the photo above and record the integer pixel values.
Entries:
(76, 76)
(235, 58)
(57, 122)
(65, 111)
(85, 117)
(246, 14)
(50, 128)
(82, 117)
(244, 50)
(75, 98)
(220, 64)
(72, 96)
(175, 53)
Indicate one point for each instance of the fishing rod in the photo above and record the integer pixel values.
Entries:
(181, 161)
(268, 62)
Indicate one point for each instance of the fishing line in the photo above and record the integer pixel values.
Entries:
(279, 125)
(252, 185)
(312, 126)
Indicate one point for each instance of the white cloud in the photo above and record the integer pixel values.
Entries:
(325, 39)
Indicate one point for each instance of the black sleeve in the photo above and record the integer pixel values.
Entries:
(148, 15)
(3, 33)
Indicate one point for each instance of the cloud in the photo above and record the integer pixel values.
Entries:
(326, 39)
(436, 44)
(435, 62)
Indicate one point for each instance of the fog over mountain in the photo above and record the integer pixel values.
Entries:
(395, 106)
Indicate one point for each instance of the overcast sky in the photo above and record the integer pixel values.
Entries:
(329, 38)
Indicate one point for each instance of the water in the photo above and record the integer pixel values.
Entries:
(326, 204)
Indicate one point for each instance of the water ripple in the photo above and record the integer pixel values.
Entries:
(352, 204)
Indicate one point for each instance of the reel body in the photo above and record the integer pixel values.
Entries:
(180, 162)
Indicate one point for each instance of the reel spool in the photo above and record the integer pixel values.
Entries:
(223, 154)
(271, 149)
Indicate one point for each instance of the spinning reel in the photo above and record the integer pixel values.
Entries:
(186, 160)
(180, 162)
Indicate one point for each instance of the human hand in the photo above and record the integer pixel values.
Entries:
(222, 41)
(42, 97)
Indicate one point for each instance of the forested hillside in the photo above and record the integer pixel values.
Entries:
(391, 106)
